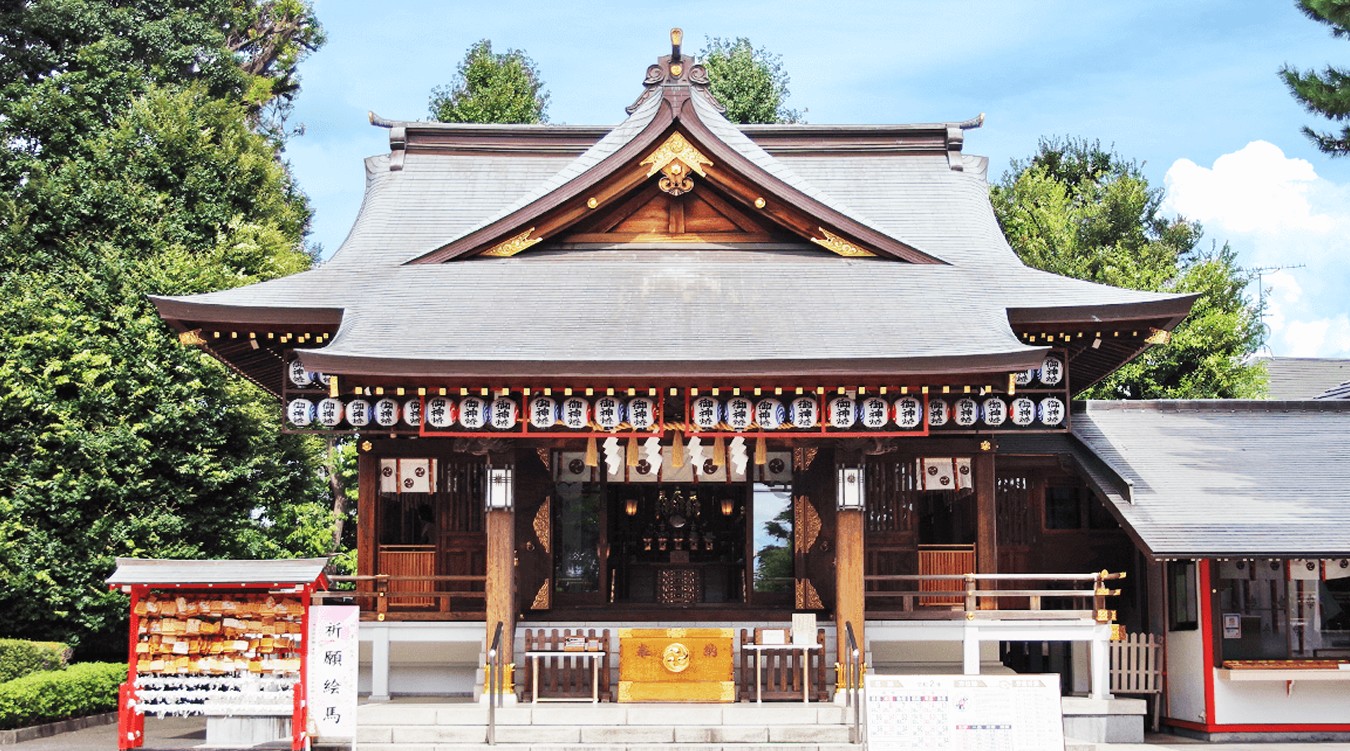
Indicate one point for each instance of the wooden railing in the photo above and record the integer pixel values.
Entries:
(407, 597)
(988, 596)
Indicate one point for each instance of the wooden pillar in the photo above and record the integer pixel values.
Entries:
(501, 578)
(367, 485)
(849, 588)
(986, 514)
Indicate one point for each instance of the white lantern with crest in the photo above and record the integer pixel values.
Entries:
(740, 413)
(330, 412)
(1023, 411)
(412, 413)
(1051, 411)
(908, 412)
(805, 413)
(842, 412)
(504, 413)
(440, 412)
(705, 413)
(874, 412)
(358, 413)
(770, 414)
(576, 413)
(300, 412)
(938, 413)
(608, 412)
(965, 412)
(386, 413)
(1052, 371)
(994, 411)
(298, 375)
(1024, 377)
(544, 412)
(641, 412)
(473, 413)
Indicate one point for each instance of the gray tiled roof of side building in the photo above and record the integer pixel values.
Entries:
(1228, 478)
(162, 571)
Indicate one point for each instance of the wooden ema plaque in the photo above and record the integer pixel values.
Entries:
(676, 665)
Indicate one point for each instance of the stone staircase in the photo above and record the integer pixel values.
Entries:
(606, 727)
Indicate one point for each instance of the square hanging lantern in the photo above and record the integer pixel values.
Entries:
(850, 491)
(500, 492)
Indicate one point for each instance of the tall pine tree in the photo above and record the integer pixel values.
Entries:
(492, 87)
(1325, 93)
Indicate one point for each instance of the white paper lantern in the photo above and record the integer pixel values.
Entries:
(386, 413)
(358, 413)
(412, 413)
(908, 412)
(608, 412)
(300, 412)
(1025, 377)
(706, 413)
(740, 413)
(938, 413)
(576, 413)
(1051, 411)
(544, 412)
(770, 414)
(298, 375)
(504, 413)
(874, 412)
(994, 411)
(473, 413)
(965, 412)
(440, 412)
(1052, 371)
(330, 412)
(641, 412)
(805, 413)
(843, 412)
(322, 379)
(1023, 411)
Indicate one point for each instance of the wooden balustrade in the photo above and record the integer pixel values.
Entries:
(410, 597)
(1058, 596)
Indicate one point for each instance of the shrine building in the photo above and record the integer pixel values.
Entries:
(683, 373)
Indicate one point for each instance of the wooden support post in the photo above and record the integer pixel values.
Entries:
(367, 485)
(501, 578)
(849, 589)
(986, 514)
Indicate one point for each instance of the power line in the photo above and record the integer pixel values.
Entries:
(1260, 272)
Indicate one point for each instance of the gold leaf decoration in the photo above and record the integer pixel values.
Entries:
(838, 245)
(542, 600)
(542, 528)
(514, 245)
(676, 147)
(807, 596)
(543, 455)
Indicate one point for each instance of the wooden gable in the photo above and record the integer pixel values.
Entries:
(651, 215)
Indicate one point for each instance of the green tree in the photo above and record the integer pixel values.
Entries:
(1080, 210)
(750, 82)
(138, 168)
(1326, 93)
(492, 87)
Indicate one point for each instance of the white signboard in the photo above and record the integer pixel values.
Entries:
(965, 712)
(331, 682)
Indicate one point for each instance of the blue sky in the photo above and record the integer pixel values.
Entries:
(1189, 89)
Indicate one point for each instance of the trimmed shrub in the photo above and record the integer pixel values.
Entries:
(19, 657)
(79, 690)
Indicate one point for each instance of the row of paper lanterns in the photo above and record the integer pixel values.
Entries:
(706, 413)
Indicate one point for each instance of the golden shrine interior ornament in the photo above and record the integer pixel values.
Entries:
(838, 245)
(675, 160)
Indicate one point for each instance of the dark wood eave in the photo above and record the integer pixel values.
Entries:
(1172, 311)
(675, 109)
(184, 315)
(947, 369)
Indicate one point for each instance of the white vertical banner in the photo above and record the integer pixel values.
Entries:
(331, 677)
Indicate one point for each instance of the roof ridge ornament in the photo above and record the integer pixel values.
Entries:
(675, 70)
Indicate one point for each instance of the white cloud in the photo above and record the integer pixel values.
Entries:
(1276, 211)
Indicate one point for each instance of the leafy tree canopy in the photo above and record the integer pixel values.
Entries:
(132, 137)
(1325, 93)
(750, 82)
(1080, 210)
(492, 87)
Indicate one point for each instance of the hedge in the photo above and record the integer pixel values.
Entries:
(82, 689)
(19, 657)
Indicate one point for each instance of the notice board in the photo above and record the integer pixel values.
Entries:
(965, 712)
